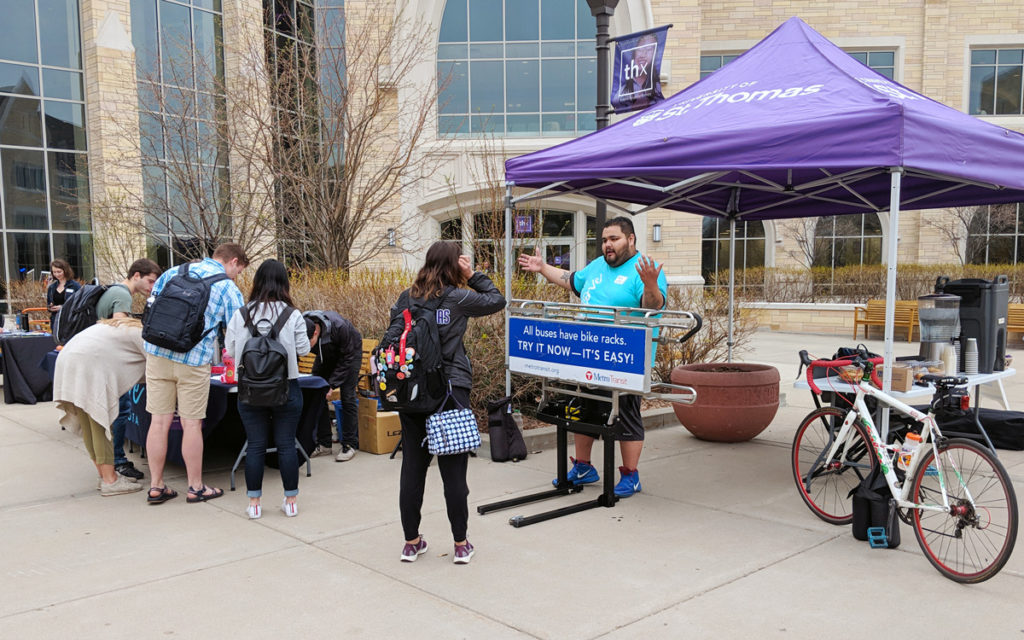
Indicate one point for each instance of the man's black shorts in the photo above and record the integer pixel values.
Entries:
(629, 413)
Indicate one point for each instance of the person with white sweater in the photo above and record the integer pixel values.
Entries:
(93, 370)
(270, 297)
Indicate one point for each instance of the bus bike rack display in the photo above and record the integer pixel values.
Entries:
(568, 375)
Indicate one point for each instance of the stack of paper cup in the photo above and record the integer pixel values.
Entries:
(971, 357)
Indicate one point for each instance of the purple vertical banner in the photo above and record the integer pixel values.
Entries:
(636, 83)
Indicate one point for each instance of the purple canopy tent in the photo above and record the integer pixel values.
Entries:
(794, 127)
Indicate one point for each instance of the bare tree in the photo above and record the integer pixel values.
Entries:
(953, 228)
(353, 123)
(802, 230)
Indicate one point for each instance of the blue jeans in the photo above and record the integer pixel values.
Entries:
(282, 422)
(118, 428)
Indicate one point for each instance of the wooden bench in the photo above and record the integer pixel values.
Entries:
(873, 315)
(1015, 318)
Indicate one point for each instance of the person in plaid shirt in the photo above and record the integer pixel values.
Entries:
(182, 380)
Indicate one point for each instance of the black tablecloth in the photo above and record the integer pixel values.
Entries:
(222, 417)
(25, 379)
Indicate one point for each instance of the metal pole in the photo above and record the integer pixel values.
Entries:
(508, 276)
(602, 10)
(890, 287)
(732, 281)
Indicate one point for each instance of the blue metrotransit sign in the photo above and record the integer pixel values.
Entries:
(612, 356)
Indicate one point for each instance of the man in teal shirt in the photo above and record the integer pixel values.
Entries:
(620, 278)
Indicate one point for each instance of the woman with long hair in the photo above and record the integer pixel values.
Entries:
(444, 274)
(63, 285)
(271, 297)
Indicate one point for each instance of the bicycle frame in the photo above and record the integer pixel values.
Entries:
(886, 454)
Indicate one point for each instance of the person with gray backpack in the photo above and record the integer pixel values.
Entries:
(265, 337)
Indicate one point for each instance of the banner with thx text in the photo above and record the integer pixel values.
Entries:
(636, 83)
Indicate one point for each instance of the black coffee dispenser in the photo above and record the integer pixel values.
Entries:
(983, 308)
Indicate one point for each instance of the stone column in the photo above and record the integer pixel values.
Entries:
(115, 173)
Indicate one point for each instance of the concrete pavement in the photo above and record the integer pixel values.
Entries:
(719, 544)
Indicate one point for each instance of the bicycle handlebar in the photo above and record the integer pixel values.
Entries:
(841, 362)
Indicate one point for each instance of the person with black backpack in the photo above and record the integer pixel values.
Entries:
(438, 286)
(266, 337)
(188, 303)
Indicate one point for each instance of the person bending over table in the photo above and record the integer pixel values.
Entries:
(93, 371)
(270, 297)
(621, 277)
(339, 353)
(182, 380)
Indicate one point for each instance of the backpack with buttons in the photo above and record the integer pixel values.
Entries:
(407, 368)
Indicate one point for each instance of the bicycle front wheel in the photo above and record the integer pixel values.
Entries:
(973, 541)
(825, 484)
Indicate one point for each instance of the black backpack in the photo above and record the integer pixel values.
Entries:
(263, 364)
(874, 508)
(506, 440)
(176, 318)
(410, 371)
(77, 313)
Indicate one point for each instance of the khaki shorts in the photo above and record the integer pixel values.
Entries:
(170, 384)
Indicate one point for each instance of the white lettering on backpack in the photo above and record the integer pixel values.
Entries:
(444, 316)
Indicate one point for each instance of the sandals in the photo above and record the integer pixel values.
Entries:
(164, 494)
(201, 495)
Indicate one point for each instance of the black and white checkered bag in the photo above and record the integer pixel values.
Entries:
(453, 431)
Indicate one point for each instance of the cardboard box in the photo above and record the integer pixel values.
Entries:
(365, 379)
(902, 378)
(379, 431)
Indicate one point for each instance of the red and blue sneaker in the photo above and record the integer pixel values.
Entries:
(581, 473)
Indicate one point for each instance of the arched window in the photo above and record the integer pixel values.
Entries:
(995, 236)
(715, 248)
(841, 241)
(516, 68)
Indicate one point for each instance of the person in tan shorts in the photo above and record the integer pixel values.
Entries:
(182, 380)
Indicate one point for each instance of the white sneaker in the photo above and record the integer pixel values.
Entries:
(255, 511)
(320, 450)
(290, 510)
(345, 454)
(119, 486)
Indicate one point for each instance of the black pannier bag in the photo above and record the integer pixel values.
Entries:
(410, 372)
(176, 319)
(78, 313)
(263, 364)
(873, 506)
(506, 439)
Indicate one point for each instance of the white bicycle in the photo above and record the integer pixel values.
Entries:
(955, 494)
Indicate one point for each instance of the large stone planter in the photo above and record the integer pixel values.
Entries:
(735, 400)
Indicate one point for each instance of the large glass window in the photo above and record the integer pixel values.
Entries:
(179, 64)
(996, 235)
(43, 171)
(516, 68)
(841, 241)
(715, 249)
(996, 87)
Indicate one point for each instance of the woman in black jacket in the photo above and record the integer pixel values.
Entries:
(443, 275)
(63, 285)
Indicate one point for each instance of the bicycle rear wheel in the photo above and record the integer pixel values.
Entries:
(973, 542)
(825, 485)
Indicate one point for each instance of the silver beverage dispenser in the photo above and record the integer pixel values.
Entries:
(938, 315)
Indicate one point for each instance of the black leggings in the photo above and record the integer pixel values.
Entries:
(416, 460)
